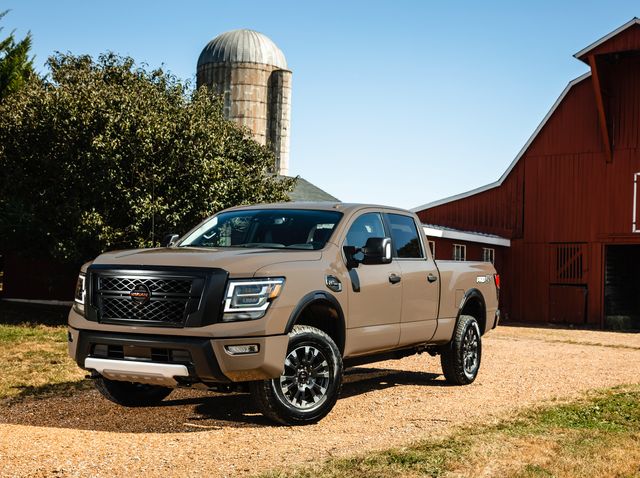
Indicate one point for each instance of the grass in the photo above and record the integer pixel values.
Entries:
(34, 356)
(595, 436)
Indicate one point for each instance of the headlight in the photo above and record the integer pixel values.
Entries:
(249, 299)
(81, 293)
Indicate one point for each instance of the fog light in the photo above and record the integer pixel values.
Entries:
(242, 349)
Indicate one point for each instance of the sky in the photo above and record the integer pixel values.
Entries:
(397, 102)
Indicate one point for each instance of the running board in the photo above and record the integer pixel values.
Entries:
(132, 371)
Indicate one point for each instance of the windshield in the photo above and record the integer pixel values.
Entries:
(266, 228)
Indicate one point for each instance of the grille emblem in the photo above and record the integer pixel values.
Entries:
(140, 294)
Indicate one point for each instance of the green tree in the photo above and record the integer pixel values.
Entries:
(15, 65)
(103, 154)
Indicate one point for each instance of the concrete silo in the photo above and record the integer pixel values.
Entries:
(251, 73)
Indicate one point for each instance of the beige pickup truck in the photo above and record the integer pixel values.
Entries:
(278, 299)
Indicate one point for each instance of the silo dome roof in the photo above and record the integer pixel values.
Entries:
(242, 46)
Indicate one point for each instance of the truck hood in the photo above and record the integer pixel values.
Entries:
(237, 261)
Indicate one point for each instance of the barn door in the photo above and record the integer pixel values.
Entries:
(568, 285)
(622, 285)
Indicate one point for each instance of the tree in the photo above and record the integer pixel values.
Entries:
(15, 65)
(104, 154)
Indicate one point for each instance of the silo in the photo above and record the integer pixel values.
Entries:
(251, 73)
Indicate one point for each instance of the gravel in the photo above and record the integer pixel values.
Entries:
(382, 405)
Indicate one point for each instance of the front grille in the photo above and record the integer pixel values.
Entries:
(170, 299)
(166, 286)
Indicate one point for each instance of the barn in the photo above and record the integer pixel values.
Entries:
(568, 204)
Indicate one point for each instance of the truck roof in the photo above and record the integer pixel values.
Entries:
(321, 205)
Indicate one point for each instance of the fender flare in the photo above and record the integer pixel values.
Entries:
(317, 296)
(474, 294)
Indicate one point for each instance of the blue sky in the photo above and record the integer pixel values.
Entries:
(397, 102)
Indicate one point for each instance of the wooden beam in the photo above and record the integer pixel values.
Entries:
(602, 117)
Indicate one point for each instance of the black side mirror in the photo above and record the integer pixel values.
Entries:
(349, 254)
(169, 240)
(377, 250)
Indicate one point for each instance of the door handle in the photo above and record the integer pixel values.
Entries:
(432, 278)
(394, 278)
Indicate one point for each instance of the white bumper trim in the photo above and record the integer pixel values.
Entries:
(132, 371)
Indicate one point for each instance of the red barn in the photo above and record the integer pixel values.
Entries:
(569, 201)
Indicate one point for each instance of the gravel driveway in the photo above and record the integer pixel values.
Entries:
(386, 404)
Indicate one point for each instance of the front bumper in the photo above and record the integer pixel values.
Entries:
(206, 360)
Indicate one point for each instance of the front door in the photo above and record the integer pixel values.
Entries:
(375, 293)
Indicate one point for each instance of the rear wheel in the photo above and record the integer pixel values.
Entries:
(130, 394)
(308, 388)
(460, 359)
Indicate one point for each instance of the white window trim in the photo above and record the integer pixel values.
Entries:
(491, 252)
(463, 249)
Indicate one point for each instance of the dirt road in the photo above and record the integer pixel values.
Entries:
(390, 403)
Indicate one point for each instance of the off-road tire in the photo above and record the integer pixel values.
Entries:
(459, 364)
(273, 397)
(131, 394)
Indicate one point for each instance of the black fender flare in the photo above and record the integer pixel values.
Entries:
(474, 294)
(317, 296)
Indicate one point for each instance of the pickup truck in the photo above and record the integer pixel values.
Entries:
(278, 299)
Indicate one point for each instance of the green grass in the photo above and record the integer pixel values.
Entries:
(595, 436)
(34, 356)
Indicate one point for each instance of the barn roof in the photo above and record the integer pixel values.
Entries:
(621, 39)
(306, 191)
(432, 230)
(517, 158)
(598, 45)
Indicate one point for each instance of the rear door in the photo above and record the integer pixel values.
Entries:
(420, 280)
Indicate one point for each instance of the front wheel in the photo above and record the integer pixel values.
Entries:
(460, 359)
(130, 394)
(309, 386)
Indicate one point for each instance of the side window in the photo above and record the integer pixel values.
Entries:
(488, 254)
(459, 252)
(366, 226)
(405, 237)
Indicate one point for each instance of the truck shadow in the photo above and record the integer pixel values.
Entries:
(184, 411)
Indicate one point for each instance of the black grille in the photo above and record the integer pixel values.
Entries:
(170, 299)
(126, 284)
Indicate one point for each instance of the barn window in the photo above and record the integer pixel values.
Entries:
(488, 254)
(432, 247)
(459, 252)
(568, 263)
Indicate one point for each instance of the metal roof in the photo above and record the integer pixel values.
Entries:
(617, 31)
(581, 53)
(517, 158)
(432, 230)
(305, 191)
(242, 46)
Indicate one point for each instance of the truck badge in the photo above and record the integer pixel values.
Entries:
(140, 294)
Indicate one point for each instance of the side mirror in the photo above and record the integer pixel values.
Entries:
(169, 240)
(377, 250)
(349, 254)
